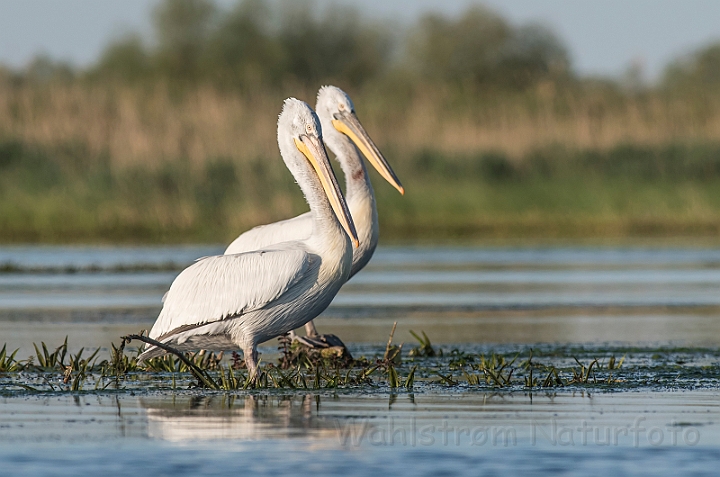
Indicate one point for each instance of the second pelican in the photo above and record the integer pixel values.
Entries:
(238, 301)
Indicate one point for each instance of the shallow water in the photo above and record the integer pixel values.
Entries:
(431, 434)
(597, 299)
(547, 295)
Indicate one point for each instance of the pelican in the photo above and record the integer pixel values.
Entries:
(344, 135)
(240, 300)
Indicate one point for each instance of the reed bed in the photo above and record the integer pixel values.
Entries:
(147, 125)
(97, 162)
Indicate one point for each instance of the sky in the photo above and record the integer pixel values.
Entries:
(603, 36)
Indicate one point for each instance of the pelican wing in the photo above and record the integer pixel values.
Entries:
(223, 286)
(297, 228)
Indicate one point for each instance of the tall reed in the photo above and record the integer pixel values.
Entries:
(151, 124)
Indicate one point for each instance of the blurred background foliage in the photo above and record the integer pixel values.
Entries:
(259, 44)
(171, 137)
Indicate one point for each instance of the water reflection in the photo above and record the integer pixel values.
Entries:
(234, 417)
(463, 419)
(361, 434)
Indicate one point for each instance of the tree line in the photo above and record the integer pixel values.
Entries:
(262, 43)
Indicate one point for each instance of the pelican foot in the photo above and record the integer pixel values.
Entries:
(320, 341)
(327, 346)
(316, 348)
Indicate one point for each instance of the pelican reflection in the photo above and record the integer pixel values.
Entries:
(235, 417)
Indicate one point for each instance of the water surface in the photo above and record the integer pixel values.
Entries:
(554, 299)
(96, 294)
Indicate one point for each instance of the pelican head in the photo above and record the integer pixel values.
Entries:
(300, 141)
(339, 121)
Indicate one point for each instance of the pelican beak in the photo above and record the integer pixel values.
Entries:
(313, 149)
(348, 124)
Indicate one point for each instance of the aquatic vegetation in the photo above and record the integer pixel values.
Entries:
(7, 361)
(425, 348)
(393, 353)
(507, 369)
(46, 359)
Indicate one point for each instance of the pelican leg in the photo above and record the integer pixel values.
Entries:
(310, 329)
(251, 360)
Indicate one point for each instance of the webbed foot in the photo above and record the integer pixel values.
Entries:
(320, 341)
(327, 346)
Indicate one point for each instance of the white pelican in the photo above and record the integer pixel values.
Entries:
(344, 135)
(238, 301)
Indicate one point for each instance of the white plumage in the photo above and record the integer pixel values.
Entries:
(344, 135)
(296, 228)
(240, 300)
(219, 287)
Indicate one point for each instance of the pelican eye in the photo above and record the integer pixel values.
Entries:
(309, 128)
(341, 106)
